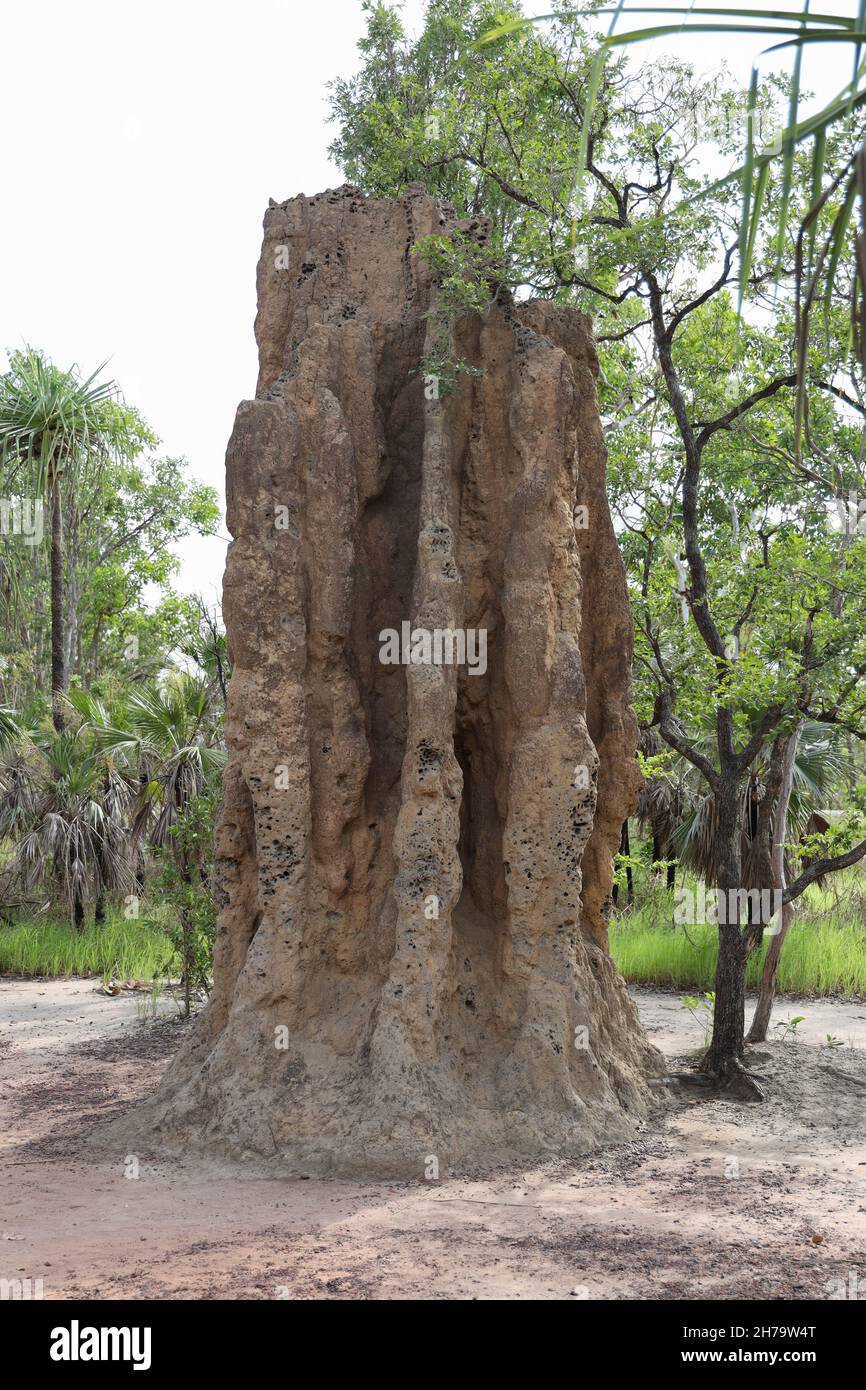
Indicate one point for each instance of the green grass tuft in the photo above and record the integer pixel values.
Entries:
(824, 952)
(121, 949)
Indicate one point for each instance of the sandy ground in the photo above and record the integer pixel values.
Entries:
(715, 1200)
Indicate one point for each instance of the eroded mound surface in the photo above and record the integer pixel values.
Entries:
(416, 840)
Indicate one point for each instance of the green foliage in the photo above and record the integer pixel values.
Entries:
(825, 949)
(64, 806)
(701, 1010)
(461, 270)
(123, 512)
(657, 765)
(53, 420)
(787, 1027)
(126, 768)
(185, 883)
(830, 201)
(118, 949)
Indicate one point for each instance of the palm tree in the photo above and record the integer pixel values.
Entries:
(818, 769)
(167, 735)
(66, 810)
(208, 648)
(772, 817)
(662, 803)
(50, 420)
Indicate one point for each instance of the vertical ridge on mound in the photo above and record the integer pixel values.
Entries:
(415, 858)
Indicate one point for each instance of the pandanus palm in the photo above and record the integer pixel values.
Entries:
(50, 420)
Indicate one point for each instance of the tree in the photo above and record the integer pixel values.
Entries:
(820, 264)
(123, 518)
(765, 516)
(64, 805)
(208, 648)
(53, 426)
(590, 175)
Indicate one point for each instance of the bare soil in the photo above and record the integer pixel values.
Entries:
(714, 1200)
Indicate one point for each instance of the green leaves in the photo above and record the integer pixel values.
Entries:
(794, 30)
(65, 808)
(123, 514)
(52, 417)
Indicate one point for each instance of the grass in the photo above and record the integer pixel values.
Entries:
(121, 949)
(824, 952)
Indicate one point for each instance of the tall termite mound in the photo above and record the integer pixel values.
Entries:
(415, 853)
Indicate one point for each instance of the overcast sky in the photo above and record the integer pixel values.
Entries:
(142, 144)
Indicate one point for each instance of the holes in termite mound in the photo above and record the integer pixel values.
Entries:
(429, 759)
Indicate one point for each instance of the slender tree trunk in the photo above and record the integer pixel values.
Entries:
(186, 927)
(72, 635)
(58, 636)
(729, 1014)
(37, 617)
(186, 931)
(661, 851)
(767, 991)
(78, 914)
(624, 849)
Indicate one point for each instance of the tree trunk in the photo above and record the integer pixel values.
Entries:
(726, 1046)
(72, 634)
(624, 849)
(186, 928)
(729, 1012)
(78, 914)
(767, 990)
(58, 634)
(186, 950)
(629, 883)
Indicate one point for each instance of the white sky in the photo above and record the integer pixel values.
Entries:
(142, 144)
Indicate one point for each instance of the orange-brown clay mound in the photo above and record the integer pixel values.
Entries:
(415, 859)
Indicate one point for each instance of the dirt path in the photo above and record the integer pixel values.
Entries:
(673, 1029)
(717, 1200)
